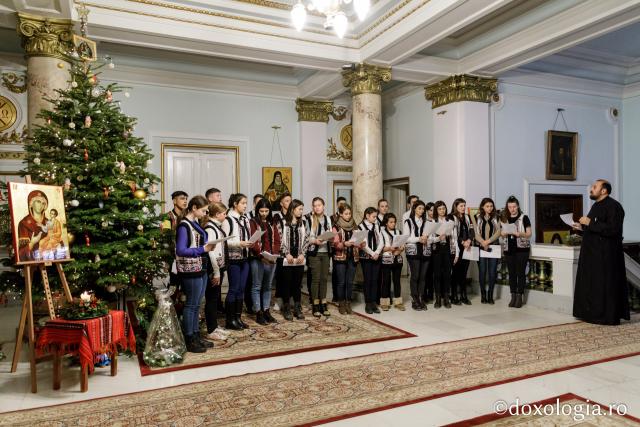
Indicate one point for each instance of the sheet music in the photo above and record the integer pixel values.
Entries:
(327, 235)
(256, 236)
(496, 252)
(567, 219)
(509, 228)
(359, 236)
(399, 240)
(472, 253)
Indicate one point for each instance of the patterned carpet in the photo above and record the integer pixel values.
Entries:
(287, 337)
(332, 390)
(564, 410)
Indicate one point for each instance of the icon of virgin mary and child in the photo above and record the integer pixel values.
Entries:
(39, 237)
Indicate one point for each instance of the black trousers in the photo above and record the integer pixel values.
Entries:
(517, 264)
(291, 285)
(428, 283)
(418, 269)
(277, 278)
(391, 274)
(212, 297)
(442, 262)
(459, 277)
(371, 273)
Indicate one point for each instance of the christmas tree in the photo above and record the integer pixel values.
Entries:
(86, 145)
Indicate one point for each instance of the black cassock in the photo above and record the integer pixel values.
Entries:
(601, 294)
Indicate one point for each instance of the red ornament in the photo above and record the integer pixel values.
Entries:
(106, 191)
(133, 280)
(87, 240)
(86, 155)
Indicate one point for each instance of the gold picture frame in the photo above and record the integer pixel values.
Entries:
(86, 48)
(38, 223)
(562, 155)
(276, 181)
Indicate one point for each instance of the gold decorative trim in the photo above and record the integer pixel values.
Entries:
(14, 137)
(8, 113)
(463, 87)
(339, 168)
(164, 145)
(334, 153)
(365, 78)
(368, 30)
(45, 36)
(313, 111)
(12, 82)
(13, 155)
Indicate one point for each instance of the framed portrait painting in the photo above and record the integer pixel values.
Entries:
(562, 154)
(38, 223)
(275, 182)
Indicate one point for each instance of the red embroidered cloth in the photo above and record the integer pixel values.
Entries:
(87, 338)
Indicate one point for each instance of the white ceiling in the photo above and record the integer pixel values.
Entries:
(233, 42)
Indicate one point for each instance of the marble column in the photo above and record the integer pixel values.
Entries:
(46, 43)
(462, 166)
(365, 83)
(313, 117)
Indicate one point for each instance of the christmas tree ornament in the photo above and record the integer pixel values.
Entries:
(149, 162)
(133, 280)
(79, 177)
(97, 258)
(125, 232)
(145, 209)
(111, 65)
(154, 189)
(67, 184)
(48, 121)
(108, 96)
(60, 65)
(100, 204)
(122, 167)
(74, 84)
(146, 181)
(105, 224)
(71, 237)
(140, 227)
(74, 203)
(36, 160)
(154, 244)
(140, 194)
(127, 95)
(67, 142)
(95, 92)
(87, 241)
(86, 155)
(132, 186)
(105, 192)
(111, 288)
(87, 121)
(72, 125)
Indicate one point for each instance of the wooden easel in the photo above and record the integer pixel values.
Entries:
(26, 317)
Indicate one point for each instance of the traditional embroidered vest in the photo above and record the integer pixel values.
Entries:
(372, 239)
(190, 264)
(521, 242)
(321, 228)
(388, 258)
(416, 249)
(221, 251)
(240, 228)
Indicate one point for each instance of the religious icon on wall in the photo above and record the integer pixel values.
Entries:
(39, 223)
(275, 182)
(86, 48)
(562, 153)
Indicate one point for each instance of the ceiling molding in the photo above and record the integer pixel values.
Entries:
(631, 90)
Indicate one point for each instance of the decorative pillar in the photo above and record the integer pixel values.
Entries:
(313, 117)
(46, 43)
(462, 166)
(365, 83)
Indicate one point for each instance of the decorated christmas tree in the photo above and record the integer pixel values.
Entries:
(86, 145)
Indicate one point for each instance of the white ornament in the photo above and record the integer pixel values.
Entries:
(74, 84)
(126, 94)
(100, 204)
(36, 160)
(122, 167)
(72, 125)
(145, 210)
(74, 203)
(146, 180)
(95, 92)
(140, 227)
(111, 288)
(149, 162)
(111, 65)
(67, 142)
(105, 224)
(97, 258)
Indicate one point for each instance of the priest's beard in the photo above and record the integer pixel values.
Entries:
(592, 197)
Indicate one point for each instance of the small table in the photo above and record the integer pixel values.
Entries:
(88, 339)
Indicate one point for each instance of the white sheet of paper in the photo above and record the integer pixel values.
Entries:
(567, 219)
(285, 263)
(430, 228)
(174, 267)
(269, 257)
(496, 252)
(399, 240)
(445, 228)
(256, 236)
(472, 254)
(359, 236)
(327, 235)
(509, 228)
(222, 239)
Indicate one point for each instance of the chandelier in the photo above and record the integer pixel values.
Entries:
(336, 19)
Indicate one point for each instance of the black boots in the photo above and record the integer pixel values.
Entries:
(518, 302)
(239, 305)
(463, 295)
(286, 311)
(415, 304)
(260, 319)
(230, 317)
(316, 308)
(446, 302)
(513, 300)
(297, 311)
(490, 296)
(324, 309)
(268, 317)
(203, 343)
(371, 307)
(438, 303)
(483, 296)
(193, 344)
(454, 299)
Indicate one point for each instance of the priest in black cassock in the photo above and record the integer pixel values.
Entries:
(601, 295)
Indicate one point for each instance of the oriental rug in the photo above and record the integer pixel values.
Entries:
(564, 410)
(333, 390)
(286, 337)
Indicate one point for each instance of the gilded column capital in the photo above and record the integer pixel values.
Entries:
(45, 36)
(365, 78)
(462, 87)
(313, 111)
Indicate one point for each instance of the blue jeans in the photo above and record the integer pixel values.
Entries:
(193, 288)
(490, 266)
(238, 273)
(262, 275)
(344, 272)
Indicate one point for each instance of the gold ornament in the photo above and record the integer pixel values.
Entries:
(140, 194)
(71, 237)
(8, 113)
(60, 65)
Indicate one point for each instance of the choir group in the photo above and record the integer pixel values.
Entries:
(276, 243)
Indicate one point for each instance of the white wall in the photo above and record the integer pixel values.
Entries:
(630, 167)
(407, 140)
(206, 117)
